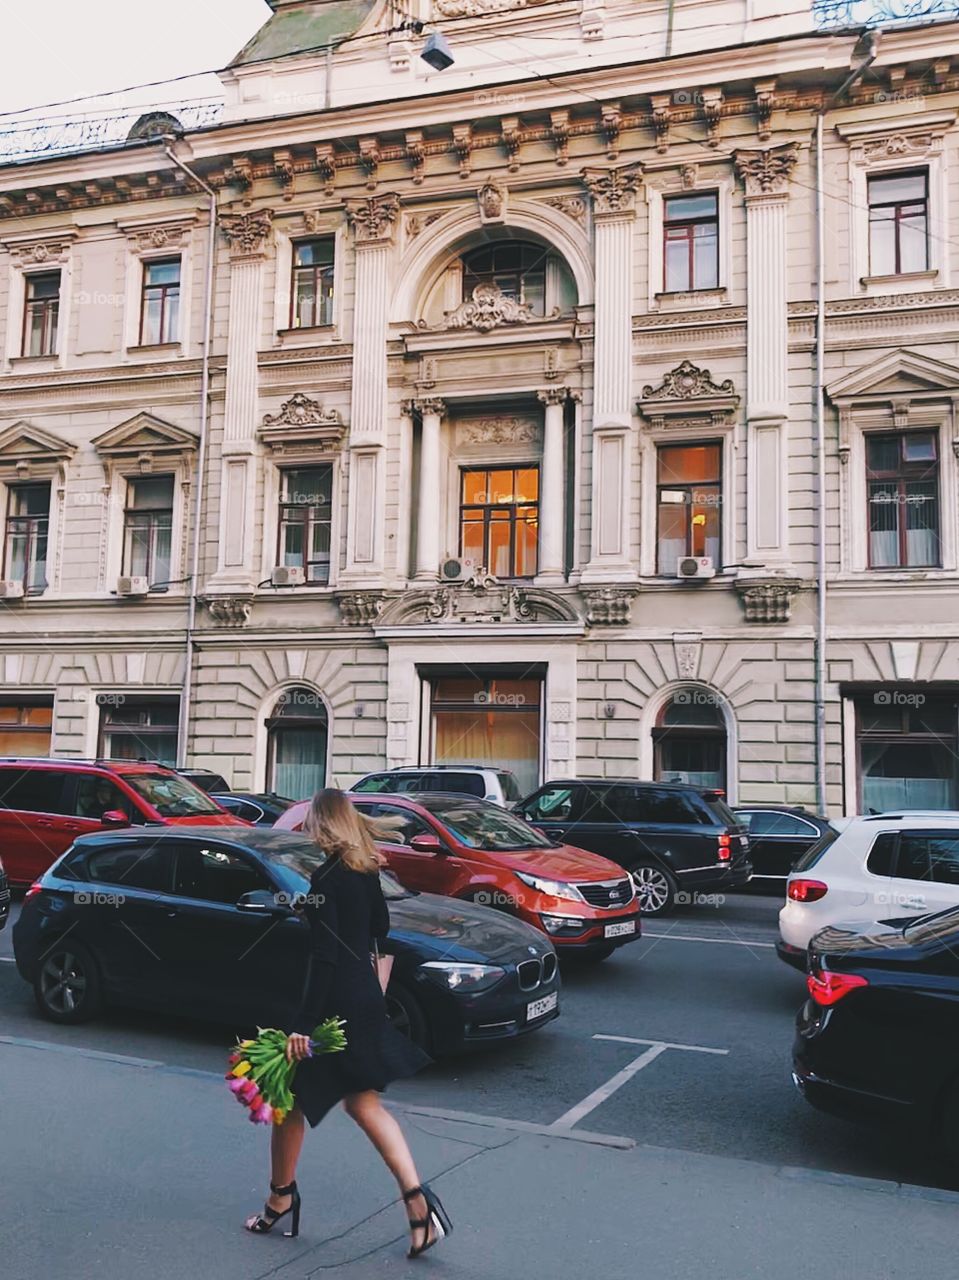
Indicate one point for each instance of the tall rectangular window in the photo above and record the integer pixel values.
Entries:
(689, 495)
(690, 242)
(306, 519)
(41, 314)
(27, 530)
(160, 308)
(499, 519)
(133, 728)
(148, 528)
(311, 297)
(26, 726)
(902, 489)
(899, 223)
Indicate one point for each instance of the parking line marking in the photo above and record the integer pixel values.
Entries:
(667, 1044)
(691, 937)
(7, 960)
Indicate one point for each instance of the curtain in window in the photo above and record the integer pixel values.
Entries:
(299, 761)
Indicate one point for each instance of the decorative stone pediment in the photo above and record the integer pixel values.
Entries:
(609, 606)
(506, 430)
(767, 599)
(229, 611)
(688, 397)
(902, 373)
(481, 599)
(302, 423)
(146, 440)
(40, 250)
(27, 450)
(488, 308)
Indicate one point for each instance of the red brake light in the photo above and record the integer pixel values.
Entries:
(828, 988)
(33, 890)
(724, 853)
(806, 890)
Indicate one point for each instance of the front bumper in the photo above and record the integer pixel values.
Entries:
(590, 932)
(459, 1023)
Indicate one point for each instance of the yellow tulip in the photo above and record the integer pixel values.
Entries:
(241, 1068)
(279, 1115)
(247, 1044)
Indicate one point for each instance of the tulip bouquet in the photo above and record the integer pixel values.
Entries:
(261, 1078)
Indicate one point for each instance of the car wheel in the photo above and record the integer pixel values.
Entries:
(404, 1012)
(655, 888)
(67, 985)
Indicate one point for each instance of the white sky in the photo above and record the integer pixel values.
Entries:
(56, 49)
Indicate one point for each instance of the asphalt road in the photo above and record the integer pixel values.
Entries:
(706, 979)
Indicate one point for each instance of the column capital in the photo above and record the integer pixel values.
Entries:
(248, 234)
(766, 172)
(553, 395)
(430, 404)
(613, 190)
(373, 220)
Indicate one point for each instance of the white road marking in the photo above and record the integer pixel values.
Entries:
(7, 960)
(691, 937)
(605, 1091)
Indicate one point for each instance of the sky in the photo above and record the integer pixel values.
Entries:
(56, 49)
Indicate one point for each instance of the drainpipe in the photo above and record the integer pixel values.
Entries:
(871, 48)
(186, 699)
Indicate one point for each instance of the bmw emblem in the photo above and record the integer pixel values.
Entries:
(531, 950)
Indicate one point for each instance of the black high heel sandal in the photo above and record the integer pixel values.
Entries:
(267, 1220)
(436, 1217)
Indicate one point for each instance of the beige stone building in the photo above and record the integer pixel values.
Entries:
(488, 430)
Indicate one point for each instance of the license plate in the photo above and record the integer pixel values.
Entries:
(536, 1008)
(619, 930)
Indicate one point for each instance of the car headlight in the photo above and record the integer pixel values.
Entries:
(463, 977)
(552, 888)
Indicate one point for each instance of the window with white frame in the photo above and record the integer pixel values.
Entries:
(689, 491)
(26, 535)
(311, 288)
(902, 484)
(160, 302)
(306, 520)
(148, 528)
(690, 219)
(41, 313)
(898, 222)
(690, 242)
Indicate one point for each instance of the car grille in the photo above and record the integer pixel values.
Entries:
(607, 893)
(532, 972)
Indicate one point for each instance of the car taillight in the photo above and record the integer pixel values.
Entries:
(806, 890)
(33, 890)
(724, 851)
(828, 988)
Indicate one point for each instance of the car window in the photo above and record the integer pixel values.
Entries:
(555, 803)
(95, 795)
(171, 795)
(401, 823)
(215, 874)
(461, 784)
(509, 785)
(882, 855)
(376, 782)
(722, 812)
(242, 808)
(139, 865)
(932, 856)
(816, 851)
(33, 790)
(211, 782)
(657, 805)
(486, 827)
(769, 822)
(596, 805)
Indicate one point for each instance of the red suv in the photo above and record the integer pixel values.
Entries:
(468, 848)
(45, 804)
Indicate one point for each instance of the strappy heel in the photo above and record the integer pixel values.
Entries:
(267, 1220)
(436, 1218)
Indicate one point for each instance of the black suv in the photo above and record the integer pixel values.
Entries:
(673, 839)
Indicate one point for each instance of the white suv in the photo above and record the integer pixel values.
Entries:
(879, 867)
(498, 785)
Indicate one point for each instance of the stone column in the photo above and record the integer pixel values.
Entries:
(372, 222)
(552, 524)
(429, 489)
(766, 176)
(613, 193)
(249, 236)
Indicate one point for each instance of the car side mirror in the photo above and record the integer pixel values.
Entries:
(114, 818)
(427, 843)
(264, 902)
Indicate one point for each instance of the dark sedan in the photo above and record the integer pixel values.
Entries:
(203, 922)
(260, 808)
(778, 837)
(879, 1035)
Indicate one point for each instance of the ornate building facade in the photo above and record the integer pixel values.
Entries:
(488, 429)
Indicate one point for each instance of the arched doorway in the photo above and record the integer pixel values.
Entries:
(297, 739)
(689, 740)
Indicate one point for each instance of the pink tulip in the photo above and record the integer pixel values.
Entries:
(236, 1086)
(247, 1090)
(263, 1114)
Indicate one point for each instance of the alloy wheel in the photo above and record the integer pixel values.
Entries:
(398, 1014)
(652, 888)
(63, 982)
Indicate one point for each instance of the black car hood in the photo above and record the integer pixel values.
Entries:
(452, 930)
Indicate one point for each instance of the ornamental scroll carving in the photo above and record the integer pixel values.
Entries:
(688, 382)
(372, 220)
(301, 411)
(480, 599)
(613, 190)
(302, 423)
(503, 431)
(767, 172)
(488, 308)
(247, 233)
(478, 8)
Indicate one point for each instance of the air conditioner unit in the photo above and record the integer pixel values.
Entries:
(456, 569)
(287, 575)
(133, 586)
(11, 590)
(695, 567)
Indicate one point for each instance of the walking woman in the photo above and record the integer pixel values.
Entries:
(347, 914)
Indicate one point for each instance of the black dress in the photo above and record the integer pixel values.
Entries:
(347, 911)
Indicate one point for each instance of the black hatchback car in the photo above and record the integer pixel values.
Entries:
(879, 1034)
(203, 922)
(674, 839)
(779, 834)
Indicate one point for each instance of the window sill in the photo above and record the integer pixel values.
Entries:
(692, 299)
(882, 577)
(307, 336)
(35, 362)
(894, 283)
(155, 350)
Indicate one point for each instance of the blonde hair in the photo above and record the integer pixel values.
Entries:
(335, 824)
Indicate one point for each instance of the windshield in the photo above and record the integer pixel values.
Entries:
(170, 795)
(486, 827)
(934, 928)
(300, 854)
(509, 784)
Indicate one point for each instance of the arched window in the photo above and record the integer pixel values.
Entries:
(522, 270)
(690, 740)
(297, 734)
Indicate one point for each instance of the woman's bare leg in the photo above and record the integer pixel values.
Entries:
(384, 1132)
(286, 1141)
